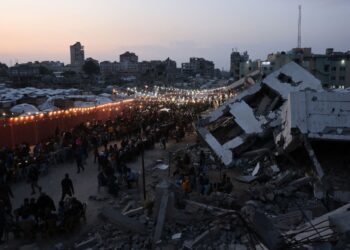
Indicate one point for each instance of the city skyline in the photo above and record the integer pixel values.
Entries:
(159, 29)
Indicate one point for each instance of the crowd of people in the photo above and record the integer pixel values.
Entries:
(194, 177)
(139, 127)
(40, 215)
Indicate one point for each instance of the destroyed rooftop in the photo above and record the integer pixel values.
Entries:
(288, 100)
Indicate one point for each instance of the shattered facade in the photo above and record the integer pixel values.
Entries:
(242, 120)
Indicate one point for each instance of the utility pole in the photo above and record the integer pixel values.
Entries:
(299, 28)
(143, 171)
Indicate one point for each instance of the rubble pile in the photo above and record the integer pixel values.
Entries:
(284, 143)
(289, 140)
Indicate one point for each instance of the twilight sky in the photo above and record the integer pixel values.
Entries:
(155, 29)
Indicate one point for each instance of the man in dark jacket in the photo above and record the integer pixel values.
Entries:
(79, 159)
(44, 204)
(33, 178)
(5, 194)
(67, 187)
(2, 220)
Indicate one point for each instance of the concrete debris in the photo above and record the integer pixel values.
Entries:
(341, 196)
(256, 169)
(275, 169)
(132, 212)
(176, 236)
(286, 140)
(86, 244)
(161, 217)
(121, 220)
(203, 236)
(341, 222)
(267, 232)
(316, 115)
(162, 166)
(319, 228)
(130, 205)
(246, 178)
(271, 172)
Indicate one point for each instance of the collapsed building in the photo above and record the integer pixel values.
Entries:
(290, 138)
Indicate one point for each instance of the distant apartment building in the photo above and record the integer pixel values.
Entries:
(241, 65)
(129, 63)
(332, 68)
(77, 57)
(158, 70)
(53, 66)
(198, 66)
(24, 71)
(170, 66)
(128, 66)
(109, 68)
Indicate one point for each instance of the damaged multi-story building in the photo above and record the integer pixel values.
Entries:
(287, 109)
(283, 128)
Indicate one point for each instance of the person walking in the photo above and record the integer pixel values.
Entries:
(6, 194)
(33, 176)
(79, 159)
(2, 220)
(67, 187)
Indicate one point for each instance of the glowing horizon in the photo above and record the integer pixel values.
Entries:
(156, 29)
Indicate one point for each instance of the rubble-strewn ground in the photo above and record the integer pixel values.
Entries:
(85, 185)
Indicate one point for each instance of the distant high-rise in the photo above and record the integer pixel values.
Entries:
(77, 56)
(241, 65)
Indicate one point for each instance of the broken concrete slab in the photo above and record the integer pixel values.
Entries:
(213, 209)
(86, 244)
(288, 220)
(318, 168)
(256, 169)
(124, 222)
(237, 247)
(317, 115)
(341, 222)
(130, 205)
(283, 178)
(318, 227)
(134, 211)
(190, 244)
(341, 196)
(301, 181)
(246, 178)
(176, 236)
(291, 78)
(268, 234)
(161, 217)
(275, 169)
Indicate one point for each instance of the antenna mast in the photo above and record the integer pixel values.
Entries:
(299, 28)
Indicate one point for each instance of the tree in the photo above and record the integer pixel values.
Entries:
(69, 73)
(44, 71)
(3, 69)
(91, 68)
